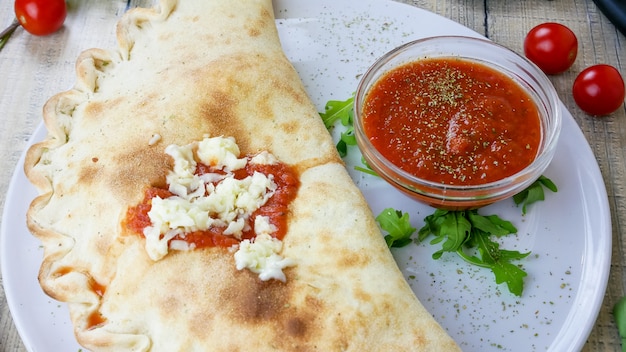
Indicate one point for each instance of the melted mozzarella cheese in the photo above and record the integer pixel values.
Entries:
(216, 199)
(221, 153)
(261, 256)
(154, 139)
(264, 158)
(182, 179)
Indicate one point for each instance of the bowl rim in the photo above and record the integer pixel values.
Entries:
(549, 137)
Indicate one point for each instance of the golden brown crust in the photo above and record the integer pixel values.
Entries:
(182, 70)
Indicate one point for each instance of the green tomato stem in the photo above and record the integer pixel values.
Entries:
(7, 32)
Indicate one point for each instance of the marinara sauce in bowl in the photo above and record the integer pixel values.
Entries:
(456, 122)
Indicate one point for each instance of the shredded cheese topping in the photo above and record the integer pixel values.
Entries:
(217, 200)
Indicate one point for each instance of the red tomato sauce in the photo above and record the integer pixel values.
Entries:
(452, 121)
(94, 320)
(276, 208)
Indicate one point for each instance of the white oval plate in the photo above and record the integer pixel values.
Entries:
(331, 43)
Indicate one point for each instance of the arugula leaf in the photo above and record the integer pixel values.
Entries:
(347, 138)
(492, 224)
(534, 192)
(338, 110)
(398, 226)
(510, 274)
(456, 228)
(468, 230)
(499, 261)
(342, 148)
(431, 223)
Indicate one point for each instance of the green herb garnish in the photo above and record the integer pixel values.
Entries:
(343, 110)
(397, 225)
(366, 168)
(337, 110)
(469, 235)
(534, 192)
(619, 313)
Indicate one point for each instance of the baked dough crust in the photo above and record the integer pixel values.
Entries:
(182, 70)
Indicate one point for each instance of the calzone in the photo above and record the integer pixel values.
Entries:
(191, 199)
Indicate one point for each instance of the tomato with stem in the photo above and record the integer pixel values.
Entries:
(40, 17)
(553, 47)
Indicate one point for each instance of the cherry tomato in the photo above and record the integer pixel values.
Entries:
(551, 46)
(40, 17)
(599, 90)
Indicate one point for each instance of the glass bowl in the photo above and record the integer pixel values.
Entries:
(482, 51)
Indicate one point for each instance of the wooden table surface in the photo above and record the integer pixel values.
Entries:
(22, 93)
